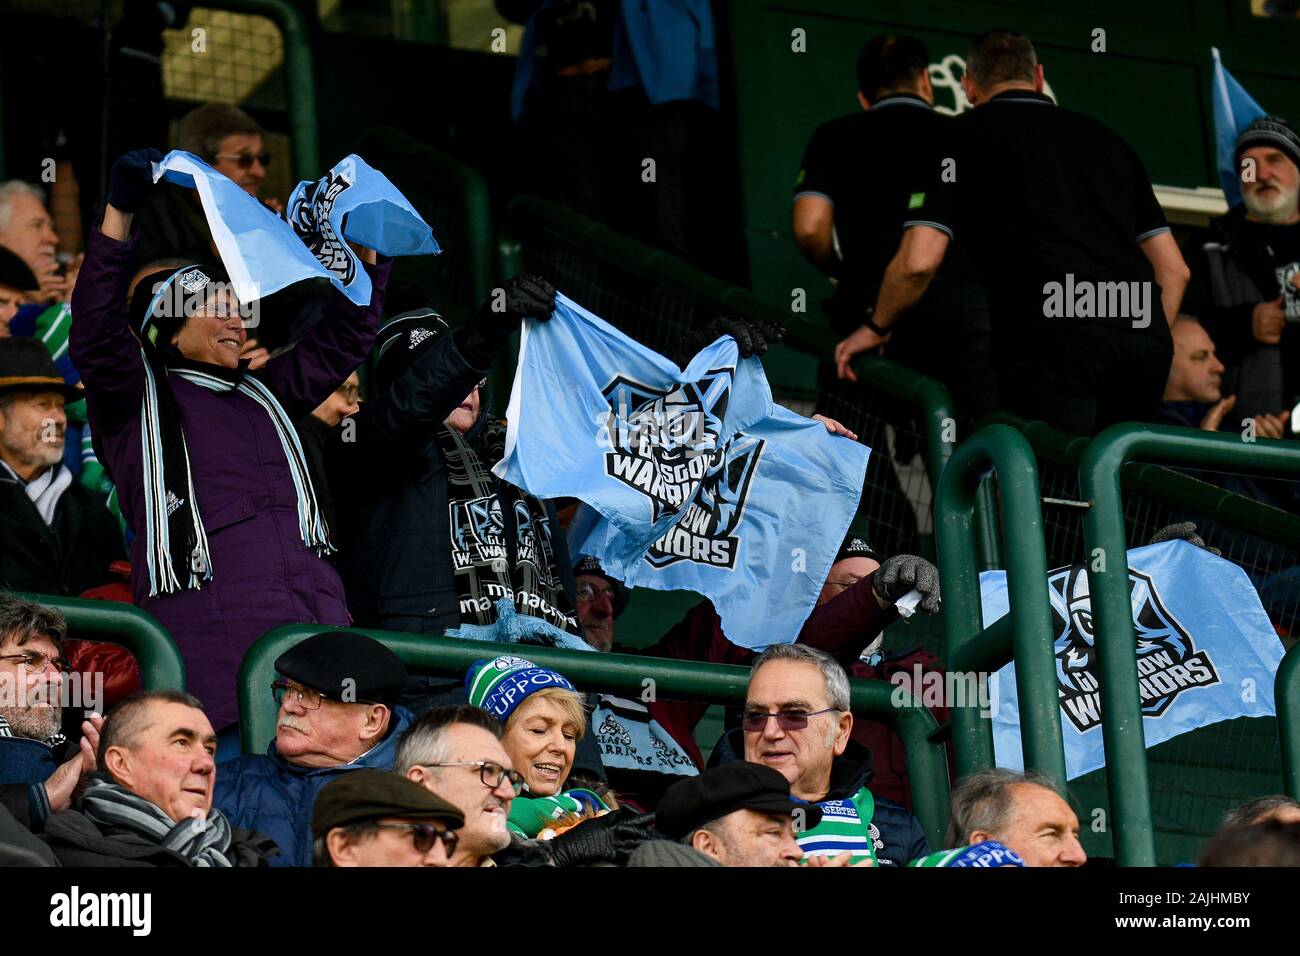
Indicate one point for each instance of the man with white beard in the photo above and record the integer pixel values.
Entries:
(1245, 286)
(39, 774)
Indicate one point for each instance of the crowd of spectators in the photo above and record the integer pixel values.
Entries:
(240, 484)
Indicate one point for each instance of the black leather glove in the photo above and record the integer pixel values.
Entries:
(131, 180)
(1185, 531)
(523, 297)
(752, 338)
(607, 839)
(903, 573)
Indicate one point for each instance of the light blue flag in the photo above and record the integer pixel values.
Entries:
(1234, 110)
(1206, 652)
(695, 479)
(355, 201)
(263, 253)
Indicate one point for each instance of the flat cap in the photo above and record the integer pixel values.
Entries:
(368, 794)
(346, 666)
(691, 803)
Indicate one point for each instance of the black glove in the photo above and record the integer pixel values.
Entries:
(131, 180)
(607, 839)
(903, 573)
(524, 297)
(752, 337)
(1185, 531)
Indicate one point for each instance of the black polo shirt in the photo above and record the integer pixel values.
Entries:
(868, 166)
(1038, 193)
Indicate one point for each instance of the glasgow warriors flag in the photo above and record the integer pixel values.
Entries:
(697, 479)
(1206, 651)
(1234, 110)
(263, 253)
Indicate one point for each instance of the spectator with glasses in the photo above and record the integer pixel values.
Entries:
(314, 433)
(40, 772)
(337, 694)
(797, 721)
(376, 818)
(172, 223)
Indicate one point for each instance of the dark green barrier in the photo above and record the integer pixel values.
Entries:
(1116, 641)
(608, 673)
(138, 631)
(1286, 692)
(970, 649)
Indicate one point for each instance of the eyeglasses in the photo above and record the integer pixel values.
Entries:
(492, 774)
(38, 662)
(308, 699)
(423, 836)
(787, 720)
(349, 393)
(246, 160)
(843, 585)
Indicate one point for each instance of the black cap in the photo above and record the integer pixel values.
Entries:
(855, 547)
(367, 794)
(401, 339)
(1269, 131)
(618, 595)
(691, 803)
(25, 364)
(345, 665)
(15, 273)
(163, 300)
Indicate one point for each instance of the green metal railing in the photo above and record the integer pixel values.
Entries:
(609, 673)
(138, 631)
(1116, 641)
(300, 80)
(972, 650)
(1286, 693)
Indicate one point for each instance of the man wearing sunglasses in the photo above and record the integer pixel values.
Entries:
(40, 772)
(797, 721)
(377, 818)
(337, 693)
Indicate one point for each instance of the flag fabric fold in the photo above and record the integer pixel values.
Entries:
(1234, 110)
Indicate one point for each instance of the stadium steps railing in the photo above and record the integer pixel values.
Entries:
(626, 674)
(138, 631)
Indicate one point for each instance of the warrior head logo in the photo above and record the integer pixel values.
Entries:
(613, 730)
(1168, 662)
(309, 214)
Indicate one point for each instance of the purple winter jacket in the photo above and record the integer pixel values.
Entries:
(262, 573)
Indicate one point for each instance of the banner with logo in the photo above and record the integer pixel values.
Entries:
(696, 480)
(1206, 651)
(263, 253)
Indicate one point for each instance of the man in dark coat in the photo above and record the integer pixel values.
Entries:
(56, 535)
(151, 802)
(338, 695)
(40, 771)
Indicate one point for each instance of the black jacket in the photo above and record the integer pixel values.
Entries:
(389, 480)
(68, 557)
(77, 841)
(898, 835)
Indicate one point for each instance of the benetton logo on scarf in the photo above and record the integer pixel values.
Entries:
(77, 909)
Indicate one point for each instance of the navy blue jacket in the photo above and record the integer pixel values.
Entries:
(25, 765)
(266, 793)
(897, 834)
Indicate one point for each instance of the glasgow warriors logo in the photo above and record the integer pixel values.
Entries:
(1167, 659)
(669, 446)
(309, 214)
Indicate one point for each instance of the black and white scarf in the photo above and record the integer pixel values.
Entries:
(489, 562)
(113, 808)
(174, 533)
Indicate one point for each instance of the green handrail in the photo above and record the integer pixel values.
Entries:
(1115, 639)
(608, 673)
(138, 631)
(299, 78)
(1286, 694)
(968, 650)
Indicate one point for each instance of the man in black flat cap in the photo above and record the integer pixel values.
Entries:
(338, 693)
(377, 818)
(56, 536)
(15, 279)
(740, 814)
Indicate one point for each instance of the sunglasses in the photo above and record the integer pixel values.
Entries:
(246, 160)
(787, 720)
(424, 835)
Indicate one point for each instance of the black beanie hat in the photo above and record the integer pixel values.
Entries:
(1269, 131)
(402, 338)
